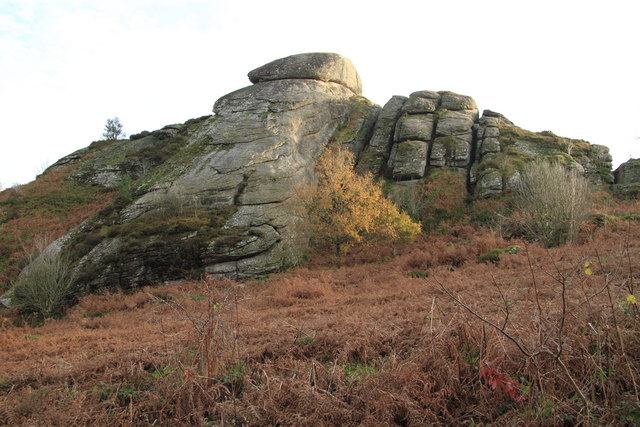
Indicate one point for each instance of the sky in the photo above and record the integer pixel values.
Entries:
(572, 67)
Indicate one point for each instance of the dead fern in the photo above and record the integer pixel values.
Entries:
(7, 417)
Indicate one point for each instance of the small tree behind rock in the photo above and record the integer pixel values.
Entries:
(113, 129)
(552, 202)
(346, 208)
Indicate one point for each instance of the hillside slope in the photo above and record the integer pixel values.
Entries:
(376, 341)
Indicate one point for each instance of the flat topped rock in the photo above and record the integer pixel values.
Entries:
(453, 101)
(326, 67)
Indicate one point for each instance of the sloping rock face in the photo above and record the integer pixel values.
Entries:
(503, 148)
(211, 195)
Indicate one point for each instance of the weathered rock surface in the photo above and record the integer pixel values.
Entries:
(627, 179)
(422, 102)
(409, 159)
(489, 183)
(376, 152)
(415, 126)
(628, 172)
(443, 123)
(326, 67)
(490, 150)
(454, 102)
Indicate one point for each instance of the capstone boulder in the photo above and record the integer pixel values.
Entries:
(326, 67)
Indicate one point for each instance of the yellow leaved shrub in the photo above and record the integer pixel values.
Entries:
(346, 208)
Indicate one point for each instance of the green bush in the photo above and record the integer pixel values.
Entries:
(493, 256)
(45, 286)
(552, 202)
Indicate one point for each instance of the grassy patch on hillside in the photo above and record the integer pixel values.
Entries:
(43, 209)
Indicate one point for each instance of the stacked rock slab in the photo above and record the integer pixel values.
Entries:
(414, 133)
(377, 151)
(489, 180)
(453, 142)
(442, 129)
(426, 129)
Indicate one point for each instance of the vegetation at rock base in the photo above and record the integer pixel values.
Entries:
(346, 208)
(371, 342)
(171, 240)
(45, 287)
(438, 201)
(445, 197)
(552, 201)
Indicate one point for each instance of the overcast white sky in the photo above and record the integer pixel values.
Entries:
(66, 66)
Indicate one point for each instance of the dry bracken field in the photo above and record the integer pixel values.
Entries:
(431, 332)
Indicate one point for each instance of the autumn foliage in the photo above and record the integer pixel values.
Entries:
(346, 208)
(499, 381)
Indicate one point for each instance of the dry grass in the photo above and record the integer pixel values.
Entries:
(369, 343)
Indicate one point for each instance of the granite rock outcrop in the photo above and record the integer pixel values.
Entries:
(212, 195)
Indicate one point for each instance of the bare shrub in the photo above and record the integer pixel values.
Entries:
(552, 202)
(45, 285)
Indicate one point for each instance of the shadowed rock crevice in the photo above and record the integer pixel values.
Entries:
(242, 187)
